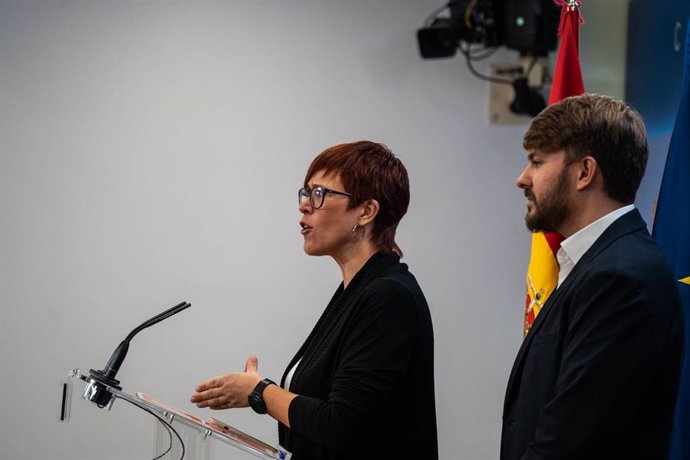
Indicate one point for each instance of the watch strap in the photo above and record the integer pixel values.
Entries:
(261, 386)
(256, 397)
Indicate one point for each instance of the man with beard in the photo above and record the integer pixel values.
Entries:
(597, 375)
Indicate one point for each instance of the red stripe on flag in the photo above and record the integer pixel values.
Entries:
(554, 240)
(567, 77)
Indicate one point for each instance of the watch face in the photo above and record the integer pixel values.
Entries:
(256, 402)
(256, 398)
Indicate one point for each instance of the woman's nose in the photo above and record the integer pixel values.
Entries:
(304, 206)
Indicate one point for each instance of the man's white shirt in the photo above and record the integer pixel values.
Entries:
(573, 248)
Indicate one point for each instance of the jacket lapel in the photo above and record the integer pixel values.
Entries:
(627, 223)
(337, 307)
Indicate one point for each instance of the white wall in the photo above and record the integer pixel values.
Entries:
(150, 153)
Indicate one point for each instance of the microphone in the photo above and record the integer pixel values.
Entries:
(101, 380)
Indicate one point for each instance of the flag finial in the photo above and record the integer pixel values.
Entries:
(568, 6)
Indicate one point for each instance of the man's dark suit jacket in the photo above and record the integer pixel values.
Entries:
(597, 375)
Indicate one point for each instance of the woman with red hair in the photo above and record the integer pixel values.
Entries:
(362, 384)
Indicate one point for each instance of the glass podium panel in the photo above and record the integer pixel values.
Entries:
(166, 445)
(178, 434)
(199, 436)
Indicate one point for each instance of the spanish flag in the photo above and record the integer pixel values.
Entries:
(542, 272)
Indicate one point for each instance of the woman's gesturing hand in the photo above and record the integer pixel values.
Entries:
(229, 390)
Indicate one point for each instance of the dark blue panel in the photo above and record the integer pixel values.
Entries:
(656, 34)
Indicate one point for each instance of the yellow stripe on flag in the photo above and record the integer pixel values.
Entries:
(542, 277)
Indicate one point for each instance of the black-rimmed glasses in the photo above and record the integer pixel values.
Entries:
(316, 195)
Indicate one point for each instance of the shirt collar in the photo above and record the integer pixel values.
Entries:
(578, 243)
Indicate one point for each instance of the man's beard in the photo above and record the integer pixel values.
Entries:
(552, 210)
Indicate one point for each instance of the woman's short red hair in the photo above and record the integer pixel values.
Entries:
(369, 170)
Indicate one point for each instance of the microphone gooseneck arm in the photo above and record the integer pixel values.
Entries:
(118, 356)
(106, 377)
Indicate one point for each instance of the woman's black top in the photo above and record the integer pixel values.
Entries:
(366, 377)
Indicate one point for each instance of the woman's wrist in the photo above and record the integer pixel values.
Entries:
(278, 402)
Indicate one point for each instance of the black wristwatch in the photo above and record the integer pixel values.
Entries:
(256, 397)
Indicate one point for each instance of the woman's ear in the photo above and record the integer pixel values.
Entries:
(370, 210)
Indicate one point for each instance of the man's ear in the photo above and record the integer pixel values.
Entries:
(370, 210)
(587, 170)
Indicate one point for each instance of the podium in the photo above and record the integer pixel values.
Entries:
(178, 435)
